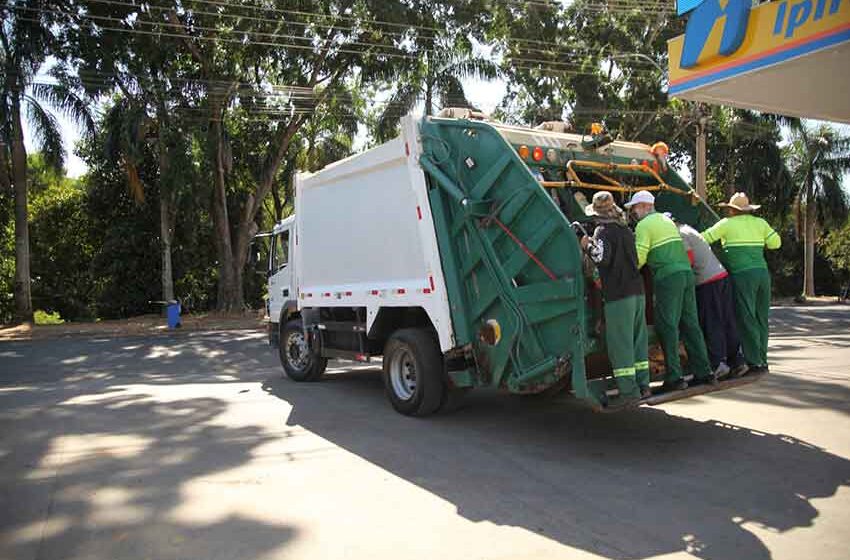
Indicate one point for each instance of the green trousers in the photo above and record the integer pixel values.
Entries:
(626, 338)
(752, 306)
(675, 312)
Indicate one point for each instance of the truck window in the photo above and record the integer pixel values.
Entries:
(280, 254)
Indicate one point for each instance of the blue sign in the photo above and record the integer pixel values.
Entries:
(685, 6)
(702, 20)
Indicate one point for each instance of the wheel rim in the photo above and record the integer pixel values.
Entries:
(403, 375)
(297, 353)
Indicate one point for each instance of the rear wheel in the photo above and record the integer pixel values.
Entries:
(299, 362)
(413, 372)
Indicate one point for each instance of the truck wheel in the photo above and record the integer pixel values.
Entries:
(413, 372)
(298, 361)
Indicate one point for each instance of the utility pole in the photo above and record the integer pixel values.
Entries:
(700, 164)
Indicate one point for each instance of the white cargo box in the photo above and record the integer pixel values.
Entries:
(365, 237)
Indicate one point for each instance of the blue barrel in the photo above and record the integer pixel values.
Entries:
(173, 313)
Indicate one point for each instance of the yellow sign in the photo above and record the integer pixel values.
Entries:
(775, 32)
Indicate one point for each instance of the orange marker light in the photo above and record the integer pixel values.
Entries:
(523, 152)
(537, 154)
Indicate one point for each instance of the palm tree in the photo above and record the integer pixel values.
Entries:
(819, 157)
(434, 77)
(27, 35)
(136, 127)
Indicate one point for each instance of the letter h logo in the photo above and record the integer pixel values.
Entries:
(703, 20)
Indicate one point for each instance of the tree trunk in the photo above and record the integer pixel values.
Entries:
(5, 177)
(429, 97)
(167, 200)
(229, 282)
(23, 294)
(166, 223)
(166, 233)
(810, 223)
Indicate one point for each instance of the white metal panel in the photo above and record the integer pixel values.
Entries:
(566, 140)
(364, 235)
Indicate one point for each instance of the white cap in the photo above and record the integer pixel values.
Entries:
(640, 196)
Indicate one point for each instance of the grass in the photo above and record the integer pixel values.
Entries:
(44, 318)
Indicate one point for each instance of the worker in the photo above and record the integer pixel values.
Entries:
(660, 246)
(744, 238)
(612, 248)
(715, 305)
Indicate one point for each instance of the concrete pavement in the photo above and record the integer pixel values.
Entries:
(194, 447)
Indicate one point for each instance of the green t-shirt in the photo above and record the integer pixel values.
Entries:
(660, 246)
(744, 238)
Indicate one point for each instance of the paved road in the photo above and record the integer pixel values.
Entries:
(194, 448)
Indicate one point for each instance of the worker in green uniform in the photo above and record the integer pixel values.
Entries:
(744, 238)
(612, 249)
(661, 247)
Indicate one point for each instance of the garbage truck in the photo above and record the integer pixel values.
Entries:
(453, 253)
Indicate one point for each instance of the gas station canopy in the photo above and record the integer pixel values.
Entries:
(789, 57)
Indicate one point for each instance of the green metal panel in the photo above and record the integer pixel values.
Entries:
(509, 255)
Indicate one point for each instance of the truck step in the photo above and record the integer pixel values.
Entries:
(694, 391)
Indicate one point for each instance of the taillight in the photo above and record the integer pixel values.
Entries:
(537, 154)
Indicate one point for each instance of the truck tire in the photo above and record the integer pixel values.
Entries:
(298, 361)
(413, 372)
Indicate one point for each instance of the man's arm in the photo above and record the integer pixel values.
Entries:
(642, 242)
(771, 238)
(715, 232)
(598, 247)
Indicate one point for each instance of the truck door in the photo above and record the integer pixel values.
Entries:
(280, 274)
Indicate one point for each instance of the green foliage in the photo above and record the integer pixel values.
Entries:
(45, 318)
(59, 240)
(7, 257)
(836, 248)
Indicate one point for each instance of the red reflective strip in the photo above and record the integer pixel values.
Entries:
(716, 277)
(375, 292)
(401, 291)
(327, 294)
(348, 293)
(426, 290)
(419, 212)
(431, 281)
(406, 149)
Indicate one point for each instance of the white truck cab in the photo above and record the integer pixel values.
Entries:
(281, 282)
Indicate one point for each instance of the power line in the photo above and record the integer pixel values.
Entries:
(398, 54)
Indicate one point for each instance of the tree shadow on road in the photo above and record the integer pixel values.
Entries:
(220, 357)
(792, 390)
(794, 322)
(627, 486)
(89, 470)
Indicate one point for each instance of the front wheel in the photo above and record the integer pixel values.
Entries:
(413, 372)
(299, 362)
